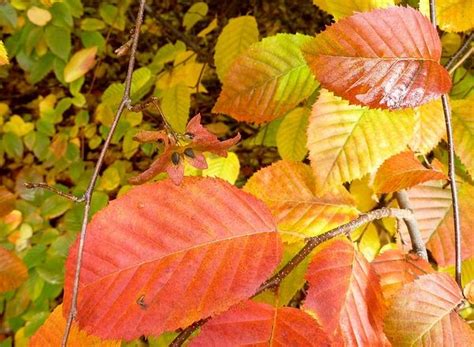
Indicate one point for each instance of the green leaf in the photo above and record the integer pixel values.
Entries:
(62, 16)
(52, 270)
(41, 68)
(196, 12)
(239, 34)
(175, 103)
(267, 80)
(13, 145)
(92, 24)
(291, 136)
(59, 41)
(55, 206)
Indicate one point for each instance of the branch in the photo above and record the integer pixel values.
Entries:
(461, 55)
(415, 236)
(125, 103)
(311, 244)
(451, 171)
(54, 190)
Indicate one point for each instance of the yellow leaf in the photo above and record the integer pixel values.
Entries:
(3, 54)
(463, 132)
(235, 38)
(291, 136)
(451, 15)
(345, 8)
(38, 16)
(211, 27)
(110, 179)
(18, 126)
(288, 189)
(369, 244)
(51, 333)
(362, 191)
(196, 12)
(175, 104)
(226, 168)
(347, 141)
(46, 105)
(81, 62)
(429, 127)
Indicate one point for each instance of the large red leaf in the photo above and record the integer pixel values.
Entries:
(12, 271)
(387, 58)
(345, 294)
(422, 314)
(258, 324)
(403, 171)
(163, 256)
(396, 269)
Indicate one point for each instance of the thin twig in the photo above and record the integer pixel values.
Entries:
(125, 103)
(461, 55)
(417, 243)
(311, 244)
(451, 172)
(54, 190)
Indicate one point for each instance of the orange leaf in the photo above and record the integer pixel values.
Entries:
(252, 323)
(12, 271)
(163, 256)
(422, 314)
(51, 334)
(345, 294)
(288, 189)
(7, 201)
(403, 171)
(396, 269)
(387, 58)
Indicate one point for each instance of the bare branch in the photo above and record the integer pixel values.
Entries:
(54, 190)
(461, 55)
(90, 188)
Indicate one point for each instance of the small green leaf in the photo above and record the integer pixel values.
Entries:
(196, 12)
(13, 145)
(54, 206)
(59, 41)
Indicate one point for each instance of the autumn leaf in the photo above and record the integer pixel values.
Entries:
(348, 141)
(430, 127)
(387, 58)
(463, 132)
(267, 80)
(422, 314)
(288, 189)
(12, 271)
(51, 334)
(171, 255)
(81, 62)
(7, 201)
(252, 323)
(291, 136)
(345, 295)
(451, 15)
(403, 171)
(38, 16)
(3, 54)
(340, 9)
(395, 269)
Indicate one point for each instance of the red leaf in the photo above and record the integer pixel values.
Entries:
(12, 271)
(345, 295)
(403, 171)
(258, 324)
(396, 269)
(387, 58)
(163, 256)
(422, 314)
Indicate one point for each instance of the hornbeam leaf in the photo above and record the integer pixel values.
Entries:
(163, 256)
(235, 38)
(422, 314)
(463, 132)
(12, 271)
(288, 190)
(291, 136)
(386, 58)
(340, 9)
(348, 141)
(429, 127)
(258, 324)
(51, 334)
(403, 171)
(267, 80)
(345, 294)
(451, 15)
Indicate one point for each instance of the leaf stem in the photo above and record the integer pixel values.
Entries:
(451, 172)
(125, 103)
(418, 245)
(310, 245)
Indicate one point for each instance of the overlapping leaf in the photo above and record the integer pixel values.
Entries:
(267, 81)
(422, 314)
(386, 58)
(51, 334)
(451, 15)
(396, 269)
(288, 190)
(347, 141)
(345, 294)
(235, 38)
(463, 132)
(163, 256)
(429, 127)
(252, 323)
(12, 271)
(291, 136)
(403, 171)
(340, 9)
